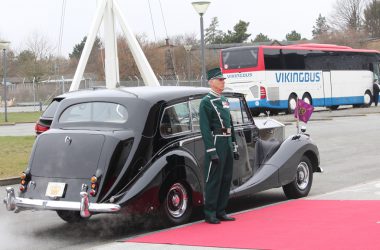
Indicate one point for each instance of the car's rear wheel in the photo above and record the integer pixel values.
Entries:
(176, 208)
(70, 216)
(301, 185)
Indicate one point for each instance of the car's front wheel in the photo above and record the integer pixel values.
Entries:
(176, 208)
(70, 216)
(301, 185)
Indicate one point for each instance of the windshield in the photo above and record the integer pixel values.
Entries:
(103, 112)
(240, 58)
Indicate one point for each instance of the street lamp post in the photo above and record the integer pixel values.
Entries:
(201, 8)
(4, 45)
(188, 50)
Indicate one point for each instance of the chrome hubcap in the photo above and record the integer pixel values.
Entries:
(302, 175)
(292, 104)
(177, 200)
(367, 98)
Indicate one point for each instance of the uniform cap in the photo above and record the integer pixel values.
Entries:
(215, 73)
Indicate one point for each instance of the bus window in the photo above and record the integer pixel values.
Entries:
(273, 59)
(294, 59)
(242, 58)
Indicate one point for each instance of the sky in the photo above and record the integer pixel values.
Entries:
(20, 19)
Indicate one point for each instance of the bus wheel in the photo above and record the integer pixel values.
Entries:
(368, 99)
(334, 107)
(307, 98)
(255, 112)
(274, 112)
(292, 103)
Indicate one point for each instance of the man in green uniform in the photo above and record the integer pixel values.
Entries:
(219, 140)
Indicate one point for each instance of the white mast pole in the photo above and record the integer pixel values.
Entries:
(110, 44)
(110, 8)
(88, 45)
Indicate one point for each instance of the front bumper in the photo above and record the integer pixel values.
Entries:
(84, 206)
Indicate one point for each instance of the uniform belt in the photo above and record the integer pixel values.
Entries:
(222, 131)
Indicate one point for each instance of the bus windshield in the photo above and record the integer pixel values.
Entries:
(240, 58)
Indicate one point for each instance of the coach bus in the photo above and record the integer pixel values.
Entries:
(324, 75)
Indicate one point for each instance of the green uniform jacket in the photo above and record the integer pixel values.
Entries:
(214, 114)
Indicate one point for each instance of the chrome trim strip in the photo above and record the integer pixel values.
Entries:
(190, 139)
(209, 168)
(25, 203)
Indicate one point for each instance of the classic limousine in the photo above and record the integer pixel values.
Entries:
(139, 150)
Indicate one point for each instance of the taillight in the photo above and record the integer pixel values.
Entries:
(263, 93)
(39, 128)
(94, 185)
(24, 181)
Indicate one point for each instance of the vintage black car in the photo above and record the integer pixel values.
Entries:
(139, 150)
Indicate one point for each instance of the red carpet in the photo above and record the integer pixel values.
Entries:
(298, 224)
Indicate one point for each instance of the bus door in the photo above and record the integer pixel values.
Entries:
(327, 89)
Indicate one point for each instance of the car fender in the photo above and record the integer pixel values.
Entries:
(178, 163)
(289, 154)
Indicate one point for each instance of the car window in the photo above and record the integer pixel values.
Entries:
(176, 119)
(238, 112)
(50, 110)
(103, 112)
(194, 108)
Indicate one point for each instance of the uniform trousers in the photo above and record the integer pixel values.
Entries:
(218, 178)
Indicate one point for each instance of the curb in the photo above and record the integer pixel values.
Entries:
(8, 124)
(9, 181)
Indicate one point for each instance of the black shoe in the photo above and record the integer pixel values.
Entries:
(226, 218)
(212, 220)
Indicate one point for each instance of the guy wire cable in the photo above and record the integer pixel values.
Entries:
(151, 19)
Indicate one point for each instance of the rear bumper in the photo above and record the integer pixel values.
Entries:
(84, 206)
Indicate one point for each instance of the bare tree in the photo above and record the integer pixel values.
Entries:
(35, 61)
(39, 45)
(348, 14)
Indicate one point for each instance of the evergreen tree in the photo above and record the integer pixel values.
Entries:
(78, 48)
(293, 36)
(321, 27)
(213, 35)
(239, 35)
(261, 38)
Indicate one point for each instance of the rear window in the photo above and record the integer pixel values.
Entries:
(240, 58)
(50, 110)
(103, 112)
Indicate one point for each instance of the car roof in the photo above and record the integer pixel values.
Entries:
(150, 94)
(147, 93)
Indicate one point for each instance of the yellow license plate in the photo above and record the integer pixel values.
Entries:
(55, 189)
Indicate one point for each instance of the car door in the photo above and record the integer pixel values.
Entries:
(245, 134)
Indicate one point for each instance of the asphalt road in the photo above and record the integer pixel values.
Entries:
(348, 143)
